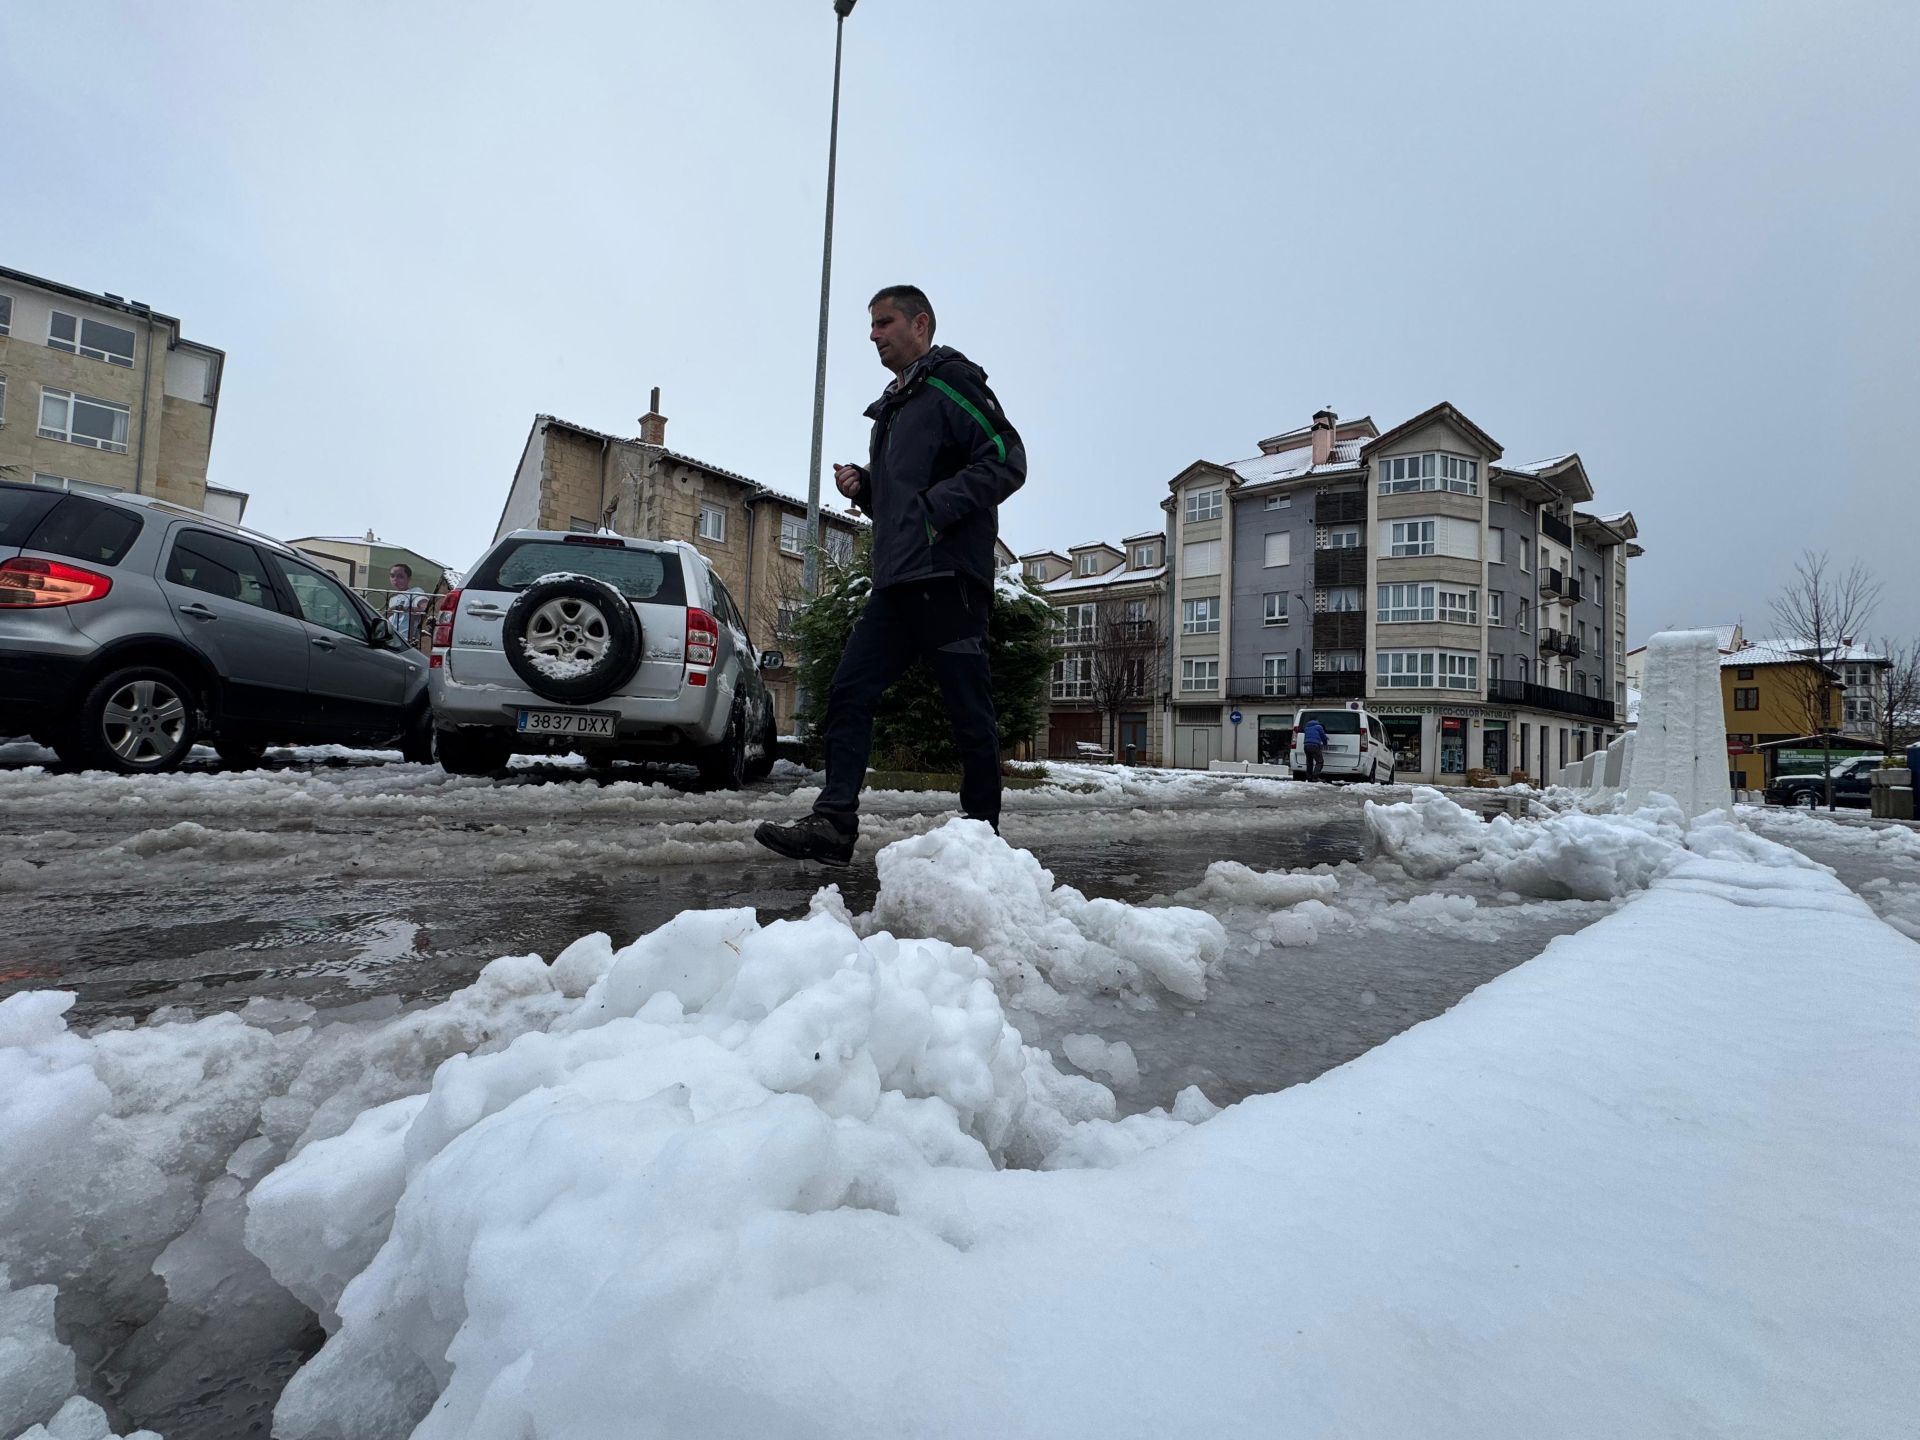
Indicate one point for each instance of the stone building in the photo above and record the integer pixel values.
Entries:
(100, 392)
(1108, 687)
(571, 477)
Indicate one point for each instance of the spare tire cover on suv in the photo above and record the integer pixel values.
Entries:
(572, 638)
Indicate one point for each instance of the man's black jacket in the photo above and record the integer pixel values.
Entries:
(942, 459)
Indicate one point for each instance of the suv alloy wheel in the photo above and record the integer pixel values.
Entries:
(139, 720)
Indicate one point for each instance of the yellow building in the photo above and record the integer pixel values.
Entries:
(1765, 696)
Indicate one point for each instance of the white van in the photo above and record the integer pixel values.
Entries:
(1356, 749)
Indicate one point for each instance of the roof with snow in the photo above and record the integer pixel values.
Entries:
(1145, 535)
(1297, 463)
(1834, 652)
(1093, 545)
(1112, 577)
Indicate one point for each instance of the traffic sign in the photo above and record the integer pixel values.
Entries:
(1234, 717)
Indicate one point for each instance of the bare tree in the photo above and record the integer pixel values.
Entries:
(1127, 648)
(1896, 700)
(1821, 612)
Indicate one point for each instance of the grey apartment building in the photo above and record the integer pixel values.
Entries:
(1472, 604)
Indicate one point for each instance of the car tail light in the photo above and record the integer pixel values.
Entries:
(703, 639)
(28, 584)
(610, 542)
(443, 621)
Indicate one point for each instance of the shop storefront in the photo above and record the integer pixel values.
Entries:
(1495, 746)
(1453, 745)
(1404, 734)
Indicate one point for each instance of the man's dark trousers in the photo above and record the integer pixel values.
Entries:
(943, 621)
(1316, 757)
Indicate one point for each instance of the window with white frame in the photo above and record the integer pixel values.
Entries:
(1525, 550)
(1200, 617)
(82, 421)
(1402, 604)
(1496, 545)
(1200, 557)
(6, 314)
(1074, 624)
(839, 547)
(1279, 502)
(1341, 662)
(1460, 607)
(1036, 570)
(1073, 677)
(1496, 608)
(1343, 599)
(1086, 565)
(93, 338)
(1523, 615)
(1522, 670)
(1493, 668)
(793, 534)
(1199, 675)
(1278, 549)
(1134, 612)
(1276, 608)
(1858, 711)
(1426, 670)
(786, 619)
(1145, 556)
(1273, 675)
(1432, 471)
(1459, 671)
(713, 523)
(1344, 537)
(1205, 504)
(1412, 537)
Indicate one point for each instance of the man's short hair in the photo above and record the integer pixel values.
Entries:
(401, 565)
(910, 300)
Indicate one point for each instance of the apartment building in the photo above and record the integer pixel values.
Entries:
(102, 393)
(1108, 685)
(1470, 603)
(571, 477)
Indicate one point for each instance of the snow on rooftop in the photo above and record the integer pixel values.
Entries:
(1121, 576)
(1287, 464)
(1534, 467)
(1835, 651)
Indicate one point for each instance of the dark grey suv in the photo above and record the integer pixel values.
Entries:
(130, 629)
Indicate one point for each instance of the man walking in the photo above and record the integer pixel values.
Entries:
(942, 458)
(1314, 740)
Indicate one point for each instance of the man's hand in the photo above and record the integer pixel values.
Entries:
(848, 478)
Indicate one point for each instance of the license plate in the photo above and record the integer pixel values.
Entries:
(567, 722)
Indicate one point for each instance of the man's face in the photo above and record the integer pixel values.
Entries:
(898, 340)
(398, 578)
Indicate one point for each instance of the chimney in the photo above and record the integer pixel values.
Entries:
(1323, 423)
(653, 425)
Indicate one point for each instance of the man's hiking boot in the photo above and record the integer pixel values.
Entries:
(814, 838)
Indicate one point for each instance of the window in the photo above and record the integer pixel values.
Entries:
(1412, 537)
(1460, 607)
(1202, 557)
(1579, 682)
(1857, 712)
(1145, 556)
(1429, 472)
(1493, 669)
(1036, 570)
(216, 565)
(72, 526)
(1743, 674)
(1073, 624)
(1525, 547)
(1279, 549)
(1496, 545)
(1546, 563)
(648, 575)
(1459, 672)
(80, 421)
(1204, 504)
(1073, 677)
(1341, 662)
(1427, 670)
(1746, 697)
(1276, 601)
(1496, 608)
(1399, 604)
(1523, 617)
(94, 338)
(1343, 599)
(713, 524)
(1523, 670)
(1344, 537)
(1273, 675)
(1200, 617)
(1087, 565)
(581, 526)
(1279, 502)
(839, 547)
(793, 534)
(6, 314)
(1199, 674)
(786, 619)
(321, 600)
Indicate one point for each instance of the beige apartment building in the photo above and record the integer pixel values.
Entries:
(101, 392)
(1108, 687)
(571, 477)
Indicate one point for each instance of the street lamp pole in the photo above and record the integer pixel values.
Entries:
(811, 576)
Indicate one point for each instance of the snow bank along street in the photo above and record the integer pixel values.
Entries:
(813, 1176)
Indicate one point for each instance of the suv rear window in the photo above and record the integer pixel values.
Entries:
(1334, 722)
(20, 510)
(86, 530)
(648, 577)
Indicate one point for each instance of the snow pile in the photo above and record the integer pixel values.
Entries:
(1565, 856)
(1681, 745)
(81, 1419)
(1097, 1057)
(36, 1370)
(962, 883)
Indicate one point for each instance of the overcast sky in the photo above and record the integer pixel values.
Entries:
(1682, 239)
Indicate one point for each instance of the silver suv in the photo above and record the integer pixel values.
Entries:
(613, 647)
(130, 629)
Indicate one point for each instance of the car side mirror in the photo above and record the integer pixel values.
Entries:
(382, 635)
(772, 660)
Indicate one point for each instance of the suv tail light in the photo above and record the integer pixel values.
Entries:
(703, 642)
(29, 584)
(443, 624)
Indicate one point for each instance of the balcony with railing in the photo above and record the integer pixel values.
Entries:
(1339, 507)
(1315, 685)
(1337, 565)
(1555, 528)
(1547, 697)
